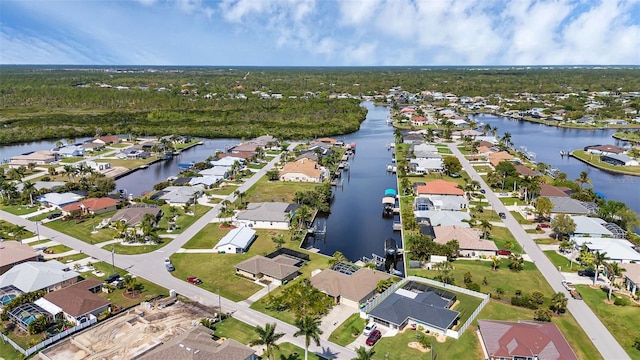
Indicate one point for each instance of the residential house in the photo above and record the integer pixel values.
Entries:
(617, 250)
(180, 195)
(70, 151)
(78, 302)
(619, 160)
(524, 171)
(425, 166)
(133, 153)
(266, 215)
(303, 170)
(197, 344)
(596, 227)
(604, 149)
(13, 253)
(547, 190)
(632, 277)
(25, 314)
(92, 206)
(325, 140)
(107, 140)
(33, 276)
(242, 155)
(352, 288)
(442, 218)
(236, 241)
(216, 171)
(227, 161)
(498, 157)
(567, 205)
(277, 270)
(469, 239)
(445, 195)
(466, 133)
(417, 304)
(205, 181)
(92, 146)
(524, 340)
(58, 200)
(98, 166)
(133, 215)
(40, 157)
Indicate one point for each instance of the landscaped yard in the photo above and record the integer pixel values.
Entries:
(19, 209)
(501, 235)
(482, 168)
(7, 228)
(511, 201)
(72, 258)
(343, 334)
(622, 321)
(207, 238)
(8, 352)
(265, 190)
(81, 229)
(218, 270)
(520, 218)
(128, 163)
(58, 249)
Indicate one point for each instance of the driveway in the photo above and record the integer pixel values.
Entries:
(600, 336)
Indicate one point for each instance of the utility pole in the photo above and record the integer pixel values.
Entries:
(37, 230)
(219, 305)
(113, 262)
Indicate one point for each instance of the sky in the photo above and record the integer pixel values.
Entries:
(320, 32)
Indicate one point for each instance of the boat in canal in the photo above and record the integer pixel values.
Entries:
(388, 204)
(391, 247)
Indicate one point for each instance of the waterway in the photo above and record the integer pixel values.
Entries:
(547, 142)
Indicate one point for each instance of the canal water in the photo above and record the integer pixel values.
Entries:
(355, 226)
(547, 142)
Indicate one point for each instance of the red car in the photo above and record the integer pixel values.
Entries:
(374, 337)
(194, 280)
(504, 252)
(546, 226)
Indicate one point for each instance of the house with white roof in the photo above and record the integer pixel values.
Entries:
(70, 151)
(469, 240)
(33, 276)
(617, 250)
(221, 171)
(442, 218)
(180, 195)
(206, 181)
(267, 215)
(226, 161)
(425, 166)
(595, 227)
(237, 241)
(59, 199)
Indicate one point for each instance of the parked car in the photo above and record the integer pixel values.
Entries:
(374, 337)
(170, 267)
(504, 252)
(502, 215)
(54, 216)
(588, 272)
(369, 328)
(483, 191)
(194, 280)
(544, 225)
(455, 175)
(111, 278)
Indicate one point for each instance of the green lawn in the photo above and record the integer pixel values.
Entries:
(74, 257)
(38, 242)
(225, 190)
(397, 348)
(128, 163)
(562, 262)
(595, 161)
(444, 150)
(511, 201)
(58, 249)
(500, 235)
(183, 221)
(546, 241)
(135, 249)
(6, 231)
(265, 190)
(206, 238)
(218, 270)
(43, 216)
(71, 160)
(520, 218)
(482, 168)
(231, 328)
(8, 352)
(622, 321)
(82, 229)
(256, 166)
(343, 334)
(19, 209)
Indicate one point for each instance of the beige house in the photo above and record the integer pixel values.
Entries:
(471, 245)
(302, 170)
(351, 290)
(13, 253)
(41, 157)
(276, 270)
(498, 157)
(632, 278)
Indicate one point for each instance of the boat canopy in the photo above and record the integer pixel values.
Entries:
(390, 192)
(389, 200)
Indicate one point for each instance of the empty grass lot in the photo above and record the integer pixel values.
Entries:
(218, 270)
(265, 190)
(19, 209)
(207, 238)
(622, 321)
(82, 229)
(184, 220)
(224, 190)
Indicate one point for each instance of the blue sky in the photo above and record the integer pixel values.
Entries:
(320, 32)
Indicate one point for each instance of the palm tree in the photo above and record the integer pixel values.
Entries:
(337, 258)
(486, 227)
(516, 262)
(70, 171)
(397, 136)
(598, 259)
(559, 302)
(364, 354)
(28, 188)
(505, 140)
(310, 328)
(583, 179)
(614, 271)
(130, 284)
(268, 338)
(495, 262)
(18, 231)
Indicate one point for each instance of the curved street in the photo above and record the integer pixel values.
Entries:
(601, 337)
(151, 266)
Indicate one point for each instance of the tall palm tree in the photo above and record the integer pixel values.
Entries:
(486, 227)
(363, 354)
(18, 231)
(614, 271)
(310, 328)
(267, 336)
(495, 262)
(583, 179)
(598, 259)
(28, 188)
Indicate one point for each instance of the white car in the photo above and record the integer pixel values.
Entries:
(167, 261)
(369, 328)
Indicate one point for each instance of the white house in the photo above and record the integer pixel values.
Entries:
(59, 199)
(33, 276)
(618, 250)
(180, 195)
(267, 215)
(237, 241)
(70, 151)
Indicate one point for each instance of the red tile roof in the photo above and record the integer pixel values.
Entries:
(506, 339)
(91, 204)
(440, 187)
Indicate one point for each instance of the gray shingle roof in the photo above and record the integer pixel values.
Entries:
(565, 205)
(267, 211)
(270, 267)
(31, 276)
(426, 307)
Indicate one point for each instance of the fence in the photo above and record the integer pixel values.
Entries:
(50, 340)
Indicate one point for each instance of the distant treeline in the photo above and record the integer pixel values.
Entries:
(37, 103)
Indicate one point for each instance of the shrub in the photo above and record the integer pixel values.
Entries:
(537, 297)
(500, 291)
(473, 286)
(524, 301)
(543, 315)
(621, 301)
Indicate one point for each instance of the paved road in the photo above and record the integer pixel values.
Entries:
(151, 267)
(600, 336)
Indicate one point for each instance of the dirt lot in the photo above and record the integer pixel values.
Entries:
(130, 334)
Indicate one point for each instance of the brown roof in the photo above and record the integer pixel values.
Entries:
(325, 140)
(12, 252)
(468, 238)
(108, 139)
(497, 157)
(239, 154)
(525, 171)
(524, 339)
(196, 344)
(76, 300)
(607, 148)
(440, 187)
(485, 143)
(92, 204)
(304, 166)
(556, 191)
(134, 215)
(270, 267)
(250, 147)
(354, 287)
